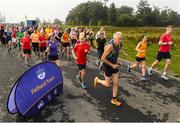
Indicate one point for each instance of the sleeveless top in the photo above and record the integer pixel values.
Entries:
(113, 55)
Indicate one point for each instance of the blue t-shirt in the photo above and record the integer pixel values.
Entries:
(53, 48)
(7, 34)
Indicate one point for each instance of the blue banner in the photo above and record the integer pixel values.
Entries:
(35, 89)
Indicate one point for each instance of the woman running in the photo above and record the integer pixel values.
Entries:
(66, 43)
(35, 40)
(80, 51)
(101, 43)
(26, 46)
(141, 57)
(52, 50)
(42, 45)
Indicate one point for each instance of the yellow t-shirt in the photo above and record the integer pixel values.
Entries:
(141, 47)
(35, 37)
(47, 30)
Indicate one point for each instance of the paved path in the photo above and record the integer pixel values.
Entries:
(153, 100)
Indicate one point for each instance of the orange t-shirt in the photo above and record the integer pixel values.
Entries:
(35, 37)
(142, 46)
(65, 38)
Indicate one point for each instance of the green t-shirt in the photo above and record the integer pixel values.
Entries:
(19, 35)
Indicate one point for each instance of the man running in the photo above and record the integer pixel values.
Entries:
(110, 64)
(8, 39)
(80, 51)
(164, 52)
(141, 57)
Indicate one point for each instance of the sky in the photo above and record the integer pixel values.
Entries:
(16, 10)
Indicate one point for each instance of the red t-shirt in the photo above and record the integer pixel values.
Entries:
(42, 40)
(14, 33)
(165, 38)
(81, 50)
(26, 41)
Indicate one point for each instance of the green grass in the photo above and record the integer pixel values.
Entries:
(131, 37)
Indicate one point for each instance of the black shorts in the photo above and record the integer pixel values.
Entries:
(53, 58)
(73, 41)
(108, 70)
(35, 44)
(163, 55)
(81, 66)
(66, 44)
(42, 49)
(25, 51)
(138, 59)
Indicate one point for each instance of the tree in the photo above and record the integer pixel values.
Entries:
(89, 13)
(143, 14)
(57, 21)
(112, 15)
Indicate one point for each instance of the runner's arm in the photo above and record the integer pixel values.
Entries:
(137, 48)
(162, 43)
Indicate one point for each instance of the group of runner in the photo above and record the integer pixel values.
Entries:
(49, 42)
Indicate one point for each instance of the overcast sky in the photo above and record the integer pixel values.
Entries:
(15, 10)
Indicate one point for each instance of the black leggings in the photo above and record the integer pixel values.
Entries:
(35, 47)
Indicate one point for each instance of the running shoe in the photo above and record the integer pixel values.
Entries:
(116, 102)
(165, 77)
(83, 85)
(144, 78)
(129, 69)
(149, 71)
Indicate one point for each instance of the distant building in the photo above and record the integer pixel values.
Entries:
(31, 23)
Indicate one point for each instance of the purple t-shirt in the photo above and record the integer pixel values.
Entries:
(53, 49)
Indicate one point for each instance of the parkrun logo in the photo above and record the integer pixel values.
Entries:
(40, 73)
(43, 85)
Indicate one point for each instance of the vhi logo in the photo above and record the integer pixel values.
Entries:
(40, 73)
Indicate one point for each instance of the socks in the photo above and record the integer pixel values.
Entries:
(164, 73)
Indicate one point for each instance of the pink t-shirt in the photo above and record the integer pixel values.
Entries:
(165, 38)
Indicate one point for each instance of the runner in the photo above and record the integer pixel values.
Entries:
(164, 52)
(2, 36)
(35, 40)
(80, 51)
(19, 35)
(110, 64)
(141, 56)
(52, 50)
(101, 30)
(101, 43)
(8, 39)
(66, 43)
(42, 45)
(91, 37)
(59, 34)
(73, 37)
(26, 46)
(13, 35)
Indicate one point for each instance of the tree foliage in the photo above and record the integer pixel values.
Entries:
(95, 13)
